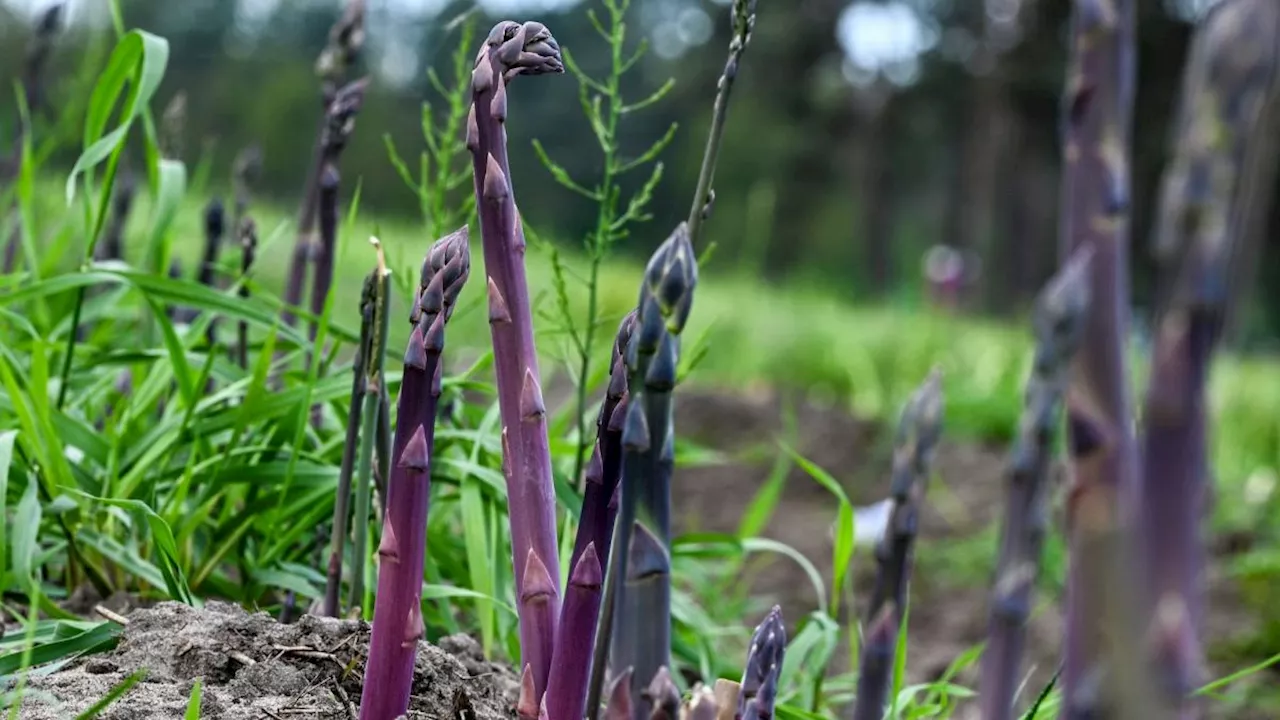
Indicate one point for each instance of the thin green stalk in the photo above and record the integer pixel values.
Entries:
(342, 503)
(744, 20)
(372, 398)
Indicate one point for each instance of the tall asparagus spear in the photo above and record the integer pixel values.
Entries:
(639, 566)
(248, 251)
(1097, 107)
(214, 226)
(346, 40)
(919, 429)
(512, 49)
(1214, 198)
(397, 618)
(1059, 319)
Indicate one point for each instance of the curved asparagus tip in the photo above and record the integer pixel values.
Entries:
(764, 662)
(50, 20)
(663, 696)
(522, 49)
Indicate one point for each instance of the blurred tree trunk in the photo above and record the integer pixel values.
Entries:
(873, 192)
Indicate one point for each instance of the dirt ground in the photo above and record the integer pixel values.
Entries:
(948, 616)
(254, 668)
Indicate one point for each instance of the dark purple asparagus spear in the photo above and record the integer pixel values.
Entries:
(397, 618)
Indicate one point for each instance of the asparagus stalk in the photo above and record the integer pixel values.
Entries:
(346, 39)
(244, 172)
(248, 251)
(744, 21)
(342, 503)
(652, 357)
(397, 619)
(339, 123)
(1098, 108)
(571, 660)
(1059, 318)
(214, 226)
(759, 688)
(1224, 154)
(513, 49)
(595, 524)
(374, 393)
(330, 181)
(919, 430)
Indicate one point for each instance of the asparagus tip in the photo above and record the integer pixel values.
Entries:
(537, 581)
(587, 573)
(671, 276)
(663, 696)
(619, 705)
(527, 705)
(647, 556)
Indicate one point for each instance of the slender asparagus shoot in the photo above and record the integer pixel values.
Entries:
(245, 171)
(595, 522)
(397, 618)
(759, 688)
(1211, 204)
(744, 21)
(346, 40)
(566, 694)
(322, 282)
(376, 350)
(1097, 124)
(342, 503)
(1059, 322)
(340, 115)
(214, 227)
(919, 429)
(248, 253)
(510, 50)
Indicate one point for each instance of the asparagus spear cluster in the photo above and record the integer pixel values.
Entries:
(1224, 153)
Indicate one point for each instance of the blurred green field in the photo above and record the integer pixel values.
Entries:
(750, 335)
